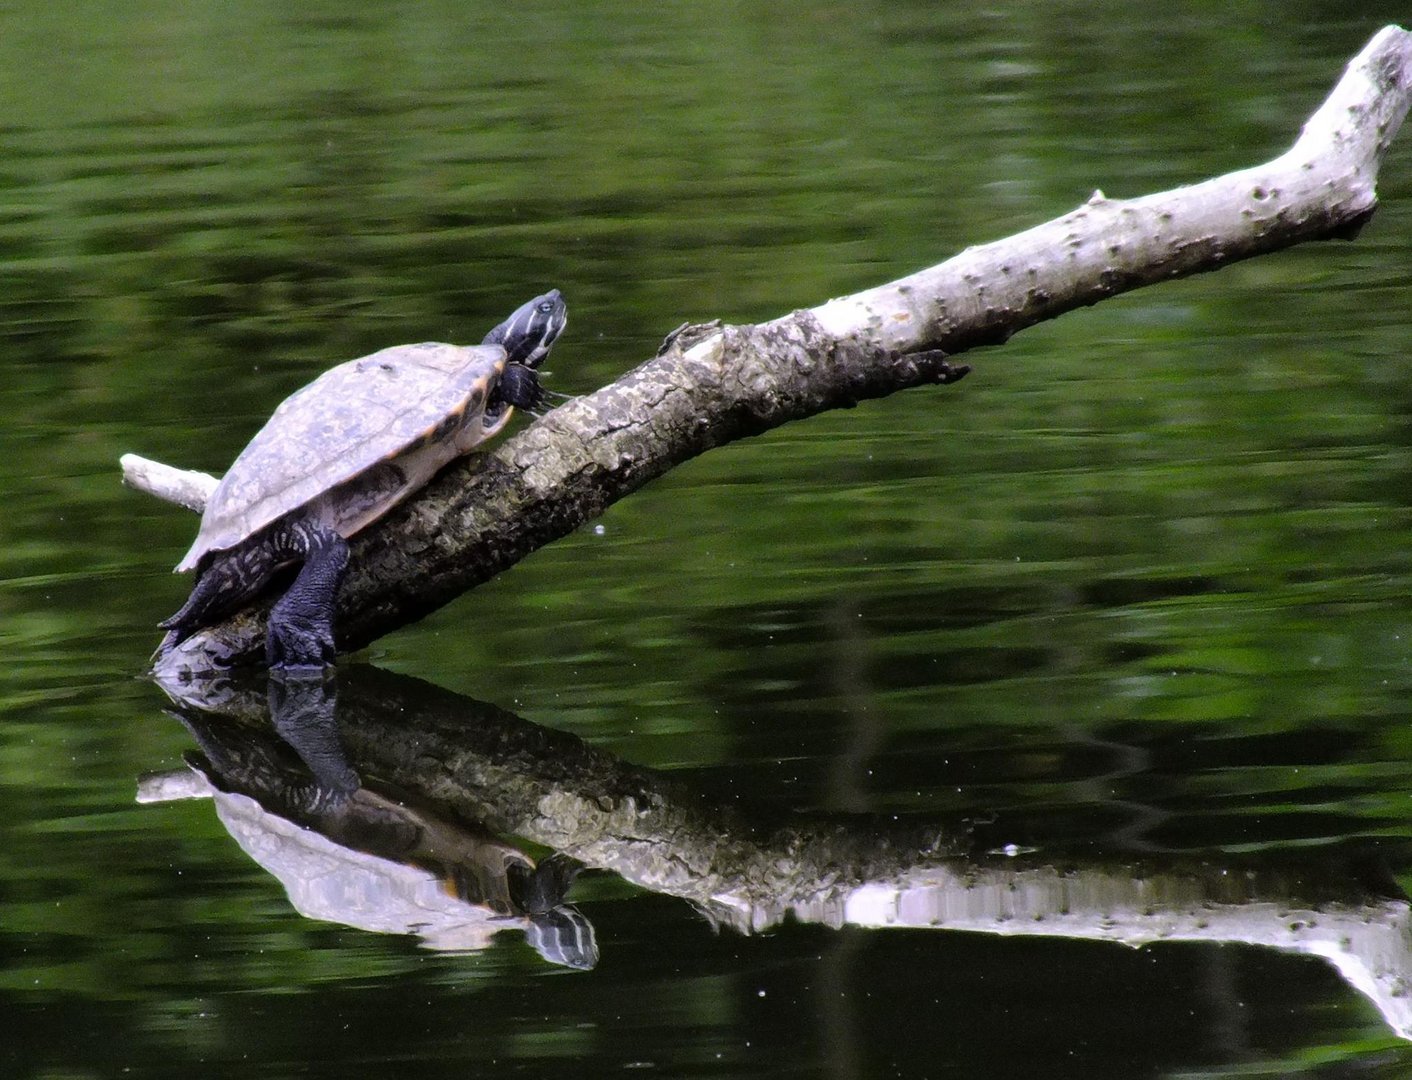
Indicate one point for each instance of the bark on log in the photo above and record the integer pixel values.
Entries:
(713, 384)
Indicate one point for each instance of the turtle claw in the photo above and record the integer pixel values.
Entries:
(547, 400)
(295, 651)
(297, 644)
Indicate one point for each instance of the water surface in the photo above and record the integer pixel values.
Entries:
(1131, 598)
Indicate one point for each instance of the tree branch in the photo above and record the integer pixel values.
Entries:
(713, 384)
(184, 487)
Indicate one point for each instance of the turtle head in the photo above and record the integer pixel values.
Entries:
(527, 334)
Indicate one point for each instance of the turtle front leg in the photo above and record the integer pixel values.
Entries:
(519, 386)
(300, 632)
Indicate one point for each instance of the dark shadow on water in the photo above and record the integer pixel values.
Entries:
(403, 801)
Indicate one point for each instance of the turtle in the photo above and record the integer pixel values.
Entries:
(340, 453)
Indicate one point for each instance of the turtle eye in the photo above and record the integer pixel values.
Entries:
(546, 307)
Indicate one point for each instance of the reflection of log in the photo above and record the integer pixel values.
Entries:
(555, 789)
(1367, 937)
(349, 853)
(714, 384)
(478, 762)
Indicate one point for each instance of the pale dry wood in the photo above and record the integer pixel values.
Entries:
(713, 384)
(184, 487)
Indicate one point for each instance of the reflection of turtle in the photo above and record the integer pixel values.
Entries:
(371, 857)
(339, 454)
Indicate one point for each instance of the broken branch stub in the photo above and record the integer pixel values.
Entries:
(713, 384)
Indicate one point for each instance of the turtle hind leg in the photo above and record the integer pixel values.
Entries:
(300, 632)
(231, 580)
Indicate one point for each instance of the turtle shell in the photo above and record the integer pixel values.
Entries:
(425, 401)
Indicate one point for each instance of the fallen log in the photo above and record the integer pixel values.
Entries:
(715, 383)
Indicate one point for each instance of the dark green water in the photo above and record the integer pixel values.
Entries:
(1137, 589)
